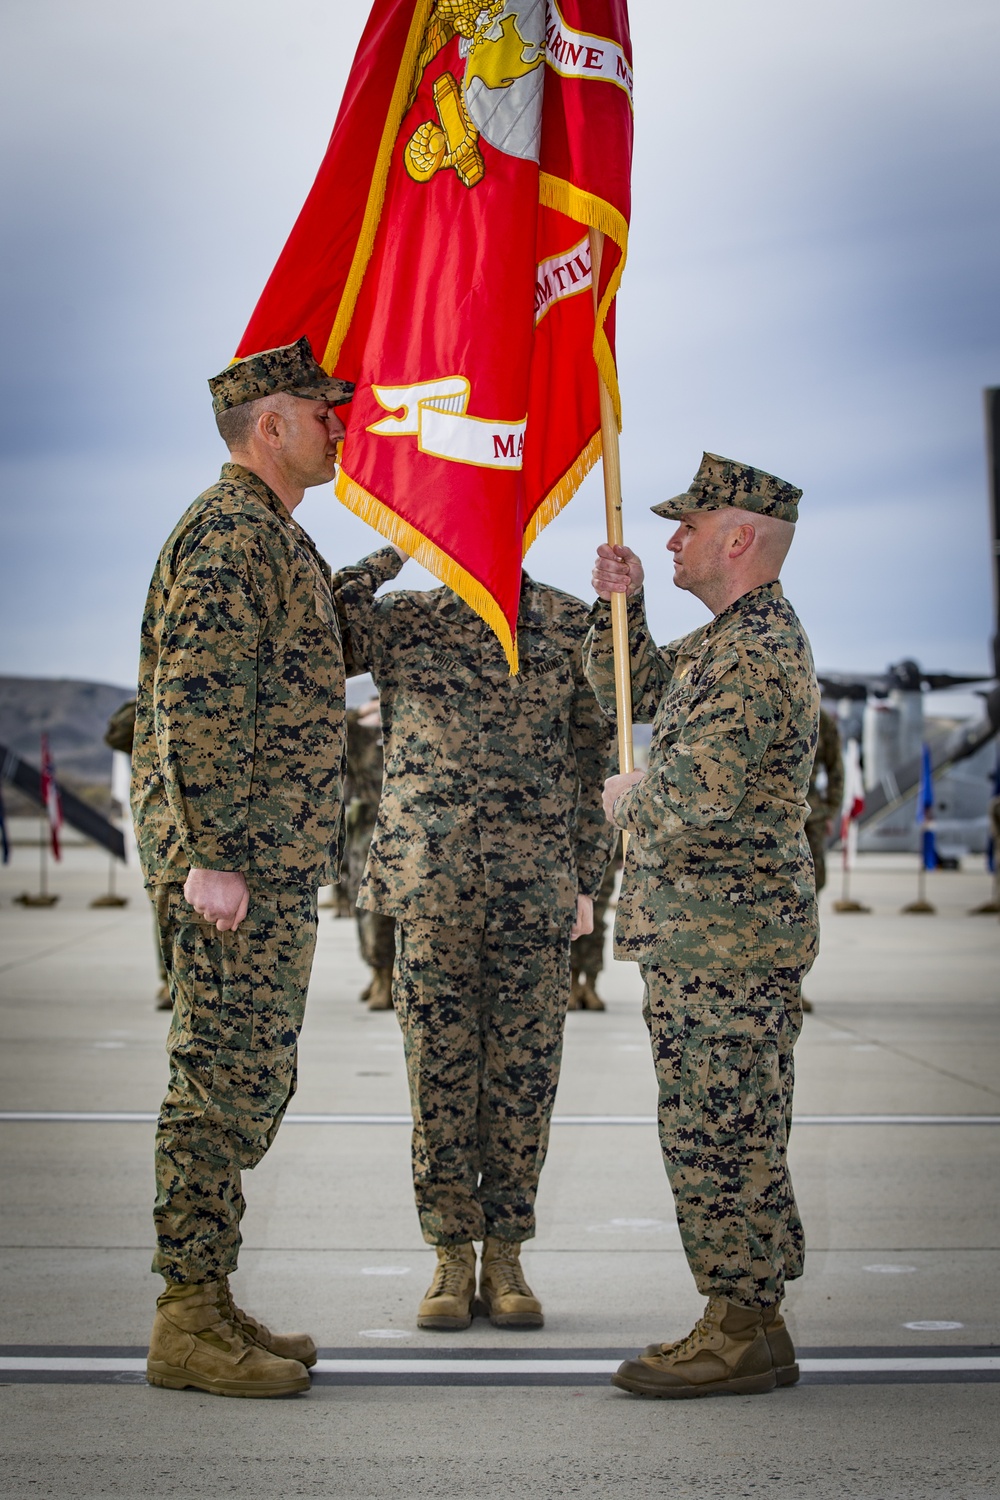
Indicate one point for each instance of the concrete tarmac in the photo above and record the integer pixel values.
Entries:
(894, 1157)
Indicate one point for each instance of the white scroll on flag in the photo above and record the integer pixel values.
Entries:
(852, 806)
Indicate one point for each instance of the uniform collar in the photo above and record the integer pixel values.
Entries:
(237, 474)
(764, 593)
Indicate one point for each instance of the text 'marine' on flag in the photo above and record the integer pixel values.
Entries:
(442, 262)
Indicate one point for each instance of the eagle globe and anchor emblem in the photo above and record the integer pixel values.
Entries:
(499, 97)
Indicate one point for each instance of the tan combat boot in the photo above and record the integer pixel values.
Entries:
(285, 1345)
(380, 990)
(447, 1303)
(574, 990)
(587, 994)
(726, 1353)
(507, 1297)
(195, 1343)
(779, 1341)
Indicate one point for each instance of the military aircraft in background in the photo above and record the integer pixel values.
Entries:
(885, 713)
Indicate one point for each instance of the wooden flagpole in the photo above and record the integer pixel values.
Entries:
(613, 511)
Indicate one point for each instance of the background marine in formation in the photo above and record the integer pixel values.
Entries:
(362, 790)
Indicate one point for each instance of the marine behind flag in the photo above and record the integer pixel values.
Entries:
(442, 261)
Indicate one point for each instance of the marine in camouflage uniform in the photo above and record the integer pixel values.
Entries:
(718, 908)
(825, 800)
(488, 829)
(363, 788)
(586, 953)
(237, 766)
(120, 734)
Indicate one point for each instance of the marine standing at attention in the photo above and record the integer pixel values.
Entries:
(362, 790)
(718, 908)
(826, 793)
(237, 774)
(488, 850)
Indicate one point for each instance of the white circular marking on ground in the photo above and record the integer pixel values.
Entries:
(383, 1333)
(632, 1047)
(890, 1270)
(933, 1325)
(385, 1270)
(865, 1047)
(108, 1046)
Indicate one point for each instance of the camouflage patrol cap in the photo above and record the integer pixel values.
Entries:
(290, 368)
(721, 483)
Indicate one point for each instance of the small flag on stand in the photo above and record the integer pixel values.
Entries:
(443, 262)
(4, 842)
(925, 812)
(928, 846)
(50, 798)
(851, 808)
(853, 804)
(991, 845)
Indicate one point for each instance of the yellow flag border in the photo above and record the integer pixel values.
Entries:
(596, 213)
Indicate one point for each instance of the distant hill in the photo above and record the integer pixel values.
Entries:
(73, 714)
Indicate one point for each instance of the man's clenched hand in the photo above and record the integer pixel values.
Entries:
(613, 788)
(584, 923)
(616, 571)
(220, 896)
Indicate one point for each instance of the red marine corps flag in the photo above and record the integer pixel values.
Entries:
(442, 261)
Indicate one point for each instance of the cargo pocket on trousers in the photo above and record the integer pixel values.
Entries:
(720, 1094)
(250, 1091)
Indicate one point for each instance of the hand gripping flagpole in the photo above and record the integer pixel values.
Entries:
(613, 512)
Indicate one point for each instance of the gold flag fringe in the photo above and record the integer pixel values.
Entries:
(376, 192)
(430, 556)
(562, 493)
(597, 213)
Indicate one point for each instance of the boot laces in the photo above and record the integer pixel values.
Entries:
(708, 1321)
(452, 1273)
(241, 1321)
(505, 1270)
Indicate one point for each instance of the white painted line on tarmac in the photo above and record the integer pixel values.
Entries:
(63, 1365)
(148, 1117)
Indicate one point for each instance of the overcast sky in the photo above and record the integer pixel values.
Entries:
(812, 287)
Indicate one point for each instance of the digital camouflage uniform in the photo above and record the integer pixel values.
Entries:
(120, 734)
(489, 825)
(824, 803)
(237, 765)
(587, 952)
(717, 906)
(362, 789)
